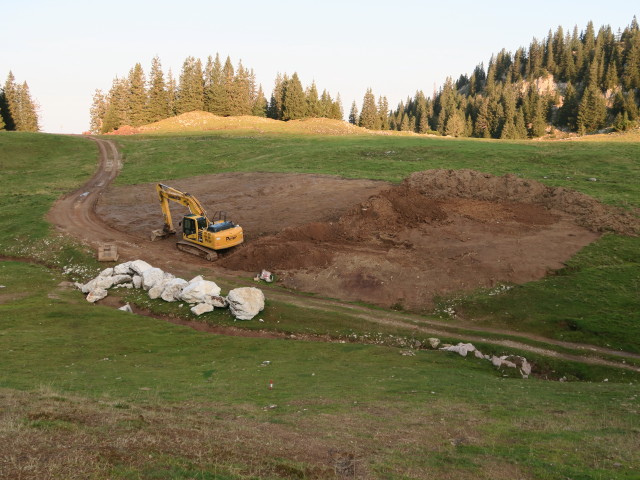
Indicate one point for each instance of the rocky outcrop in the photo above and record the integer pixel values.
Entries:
(506, 361)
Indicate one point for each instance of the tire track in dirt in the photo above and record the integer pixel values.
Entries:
(74, 215)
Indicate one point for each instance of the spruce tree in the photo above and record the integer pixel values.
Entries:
(277, 97)
(117, 111)
(568, 112)
(383, 113)
(241, 101)
(228, 99)
(190, 95)
(353, 114)
(336, 109)
(260, 104)
(314, 108)
(294, 105)
(97, 112)
(1, 123)
(217, 97)
(158, 96)
(172, 93)
(592, 111)
(369, 117)
(9, 104)
(137, 97)
(325, 104)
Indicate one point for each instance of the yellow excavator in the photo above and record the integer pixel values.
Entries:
(200, 236)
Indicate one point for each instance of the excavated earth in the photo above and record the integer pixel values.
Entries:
(439, 232)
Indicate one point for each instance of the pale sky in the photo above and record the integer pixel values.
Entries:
(66, 49)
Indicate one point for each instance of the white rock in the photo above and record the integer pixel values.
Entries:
(246, 302)
(173, 289)
(478, 354)
(202, 308)
(196, 279)
(462, 349)
(96, 294)
(200, 291)
(119, 279)
(156, 291)
(107, 272)
(139, 266)
(219, 302)
(151, 277)
(434, 342)
(122, 269)
(137, 281)
(126, 308)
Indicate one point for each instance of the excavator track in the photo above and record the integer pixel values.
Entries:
(197, 250)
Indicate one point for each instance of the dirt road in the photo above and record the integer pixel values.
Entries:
(125, 214)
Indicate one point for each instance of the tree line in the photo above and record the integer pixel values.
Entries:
(580, 82)
(213, 87)
(17, 110)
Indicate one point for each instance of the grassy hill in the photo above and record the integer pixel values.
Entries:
(89, 391)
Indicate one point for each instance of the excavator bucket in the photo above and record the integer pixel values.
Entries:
(108, 252)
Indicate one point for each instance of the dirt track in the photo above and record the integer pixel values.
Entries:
(379, 232)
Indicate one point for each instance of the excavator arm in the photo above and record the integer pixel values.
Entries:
(166, 193)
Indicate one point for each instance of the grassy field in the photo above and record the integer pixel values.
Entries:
(90, 392)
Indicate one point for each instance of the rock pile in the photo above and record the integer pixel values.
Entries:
(203, 295)
(505, 361)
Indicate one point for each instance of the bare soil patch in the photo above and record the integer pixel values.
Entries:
(440, 231)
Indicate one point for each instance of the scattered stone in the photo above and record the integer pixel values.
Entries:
(592, 179)
(434, 342)
(462, 349)
(96, 294)
(408, 353)
(200, 291)
(126, 308)
(245, 302)
(202, 308)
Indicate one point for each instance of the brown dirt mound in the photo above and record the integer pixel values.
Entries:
(589, 213)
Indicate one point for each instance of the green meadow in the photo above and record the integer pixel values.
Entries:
(87, 391)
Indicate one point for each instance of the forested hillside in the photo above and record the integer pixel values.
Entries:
(215, 87)
(574, 81)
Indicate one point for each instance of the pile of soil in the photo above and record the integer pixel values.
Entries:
(439, 232)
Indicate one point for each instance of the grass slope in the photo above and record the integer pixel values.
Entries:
(188, 404)
(91, 392)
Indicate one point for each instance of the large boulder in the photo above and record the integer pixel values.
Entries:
(246, 302)
(200, 291)
(122, 269)
(96, 294)
(139, 266)
(202, 308)
(172, 289)
(151, 277)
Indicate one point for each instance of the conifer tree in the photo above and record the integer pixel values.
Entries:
(456, 124)
(260, 104)
(241, 101)
(1, 123)
(216, 95)
(353, 114)
(314, 108)
(369, 117)
(158, 96)
(568, 112)
(294, 105)
(172, 93)
(117, 111)
(277, 97)
(9, 102)
(383, 113)
(97, 112)
(137, 97)
(592, 111)
(190, 95)
(336, 109)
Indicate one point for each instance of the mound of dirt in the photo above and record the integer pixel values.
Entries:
(203, 121)
(590, 213)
